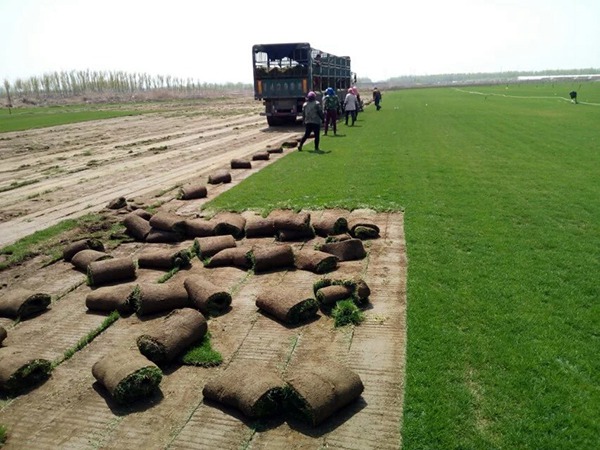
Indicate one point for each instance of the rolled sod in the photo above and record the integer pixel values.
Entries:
(275, 150)
(22, 303)
(161, 236)
(348, 250)
(328, 296)
(208, 246)
(173, 335)
(232, 257)
(3, 334)
(285, 219)
(290, 144)
(317, 391)
(330, 224)
(240, 164)
(259, 227)
(199, 228)
(82, 259)
(142, 213)
(137, 226)
(219, 176)
(207, 297)
(358, 288)
(83, 244)
(167, 221)
(229, 223)
(288, 304)
(20, 371)
(127, 375)
(295, 235)
(111, 271)
(273, 257)
(120, 297)
(248, 387)
(261, 156)
(362, 228)
(315, 261)
(153, 298)
(164, 258)
(192, 191)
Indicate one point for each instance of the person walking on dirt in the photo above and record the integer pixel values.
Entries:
(350, 106)
(331, 105)
(312, 116)
(377, 98)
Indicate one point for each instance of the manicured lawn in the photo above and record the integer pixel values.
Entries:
(502, 223)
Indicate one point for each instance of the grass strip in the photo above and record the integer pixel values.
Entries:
(83, 342)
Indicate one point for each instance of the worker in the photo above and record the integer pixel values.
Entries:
(331, 105)
(312, 116)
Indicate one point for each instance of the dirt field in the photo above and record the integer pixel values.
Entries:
(80, 168)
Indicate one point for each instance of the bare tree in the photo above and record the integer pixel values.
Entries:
(7, 89)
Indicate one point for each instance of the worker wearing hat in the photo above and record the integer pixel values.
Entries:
(312, 116)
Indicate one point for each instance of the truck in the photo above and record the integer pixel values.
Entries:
(285, 73)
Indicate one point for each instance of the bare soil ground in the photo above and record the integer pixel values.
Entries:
(70, 410)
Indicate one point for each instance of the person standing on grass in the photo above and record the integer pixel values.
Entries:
(331, 105)
(350, 106)
(312, 116)
(377, 98)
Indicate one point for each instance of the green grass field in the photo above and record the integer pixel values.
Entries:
(500, 190)
(19, 119)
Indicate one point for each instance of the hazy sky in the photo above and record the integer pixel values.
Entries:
(211, 40)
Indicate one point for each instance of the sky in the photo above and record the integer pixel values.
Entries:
(211, 41)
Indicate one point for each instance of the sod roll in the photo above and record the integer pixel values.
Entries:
(127, 375)
(290, 143)
(358, 288)
(111, 271)
(229, 223)
(275, 150)
(219, 176)
(289, 304)
(363, 228)
(167, 221)
(83, 244)
(328, 296)
(257, 226)
(295, 235)
(199, 228)
(164, 258)
(3, 334)
(273, 257)
(319, 390)
(174, 334)
(261, 156)
(285, 219)
(137, 226)
(249, 387)
(315, 261)
(120, 297)
(232, 257)
(240, 164)
(192, 191)
(162, 236)
(347, 250)
(82, 259)
(22, 303)
(20, 371)
(208, 246)
(142, 213)
(330, 223)
(153, 298)
(207, 297)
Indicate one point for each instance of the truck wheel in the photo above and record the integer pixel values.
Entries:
(274, 121)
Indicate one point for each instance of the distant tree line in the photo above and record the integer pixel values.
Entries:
(86, 82)
(492, 77)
